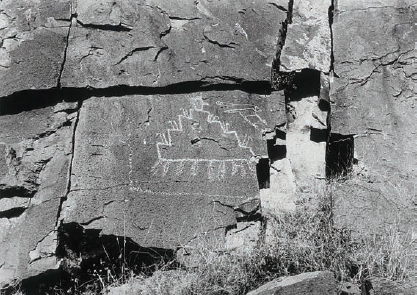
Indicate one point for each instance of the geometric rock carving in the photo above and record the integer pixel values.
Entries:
(168, 162)
(198, 144)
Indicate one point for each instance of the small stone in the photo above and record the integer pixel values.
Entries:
(312, 283)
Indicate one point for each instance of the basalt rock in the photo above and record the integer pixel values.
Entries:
(33, 39)
(167, 162)
(159, 124)
(373, 117)
(156, 43)
(35, 157)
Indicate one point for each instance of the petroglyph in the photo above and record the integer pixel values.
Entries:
(248, 112)
(198, 145)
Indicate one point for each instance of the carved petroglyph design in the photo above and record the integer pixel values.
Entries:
(248, 112)
(198, 145)
(199, 139)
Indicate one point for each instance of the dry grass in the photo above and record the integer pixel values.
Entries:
(390, 254)
(301, 241)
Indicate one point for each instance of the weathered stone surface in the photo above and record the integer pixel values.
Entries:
(245, 237)
(387, 287)
(34, 178)
(281, 195)
(353, 5)
(373, 99)
(319, 282)
(306, 141)
(33, 37)
(155, 43)
(173, 165)
(373, 207)
(308, 43)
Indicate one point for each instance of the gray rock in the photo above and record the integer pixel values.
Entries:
(244, 238)
(173, 166)
(373, 101)
(349, 289)
(33, 37)
(156, 44)
(308, 43)
(319, 282)
(36, 155)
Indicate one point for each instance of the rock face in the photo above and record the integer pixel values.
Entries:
(155, 123)
(35, 156)
(157, 43)
(373, 96)
(167, 161)
(308, 43)
(33, 38)
(154, 155)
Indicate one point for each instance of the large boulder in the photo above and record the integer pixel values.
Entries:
(308, 42)
(373, 117)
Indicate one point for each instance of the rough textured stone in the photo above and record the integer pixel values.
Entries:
(33, 181)
(349, 289)
(319, 282)
(387, 287)
(306, 141)
(373, 99)
(245, 237)
(33, 37)
(154, 43)
(308, 43)
(281, 195)
(174, 165)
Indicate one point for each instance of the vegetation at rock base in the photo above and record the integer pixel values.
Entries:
(296, 242)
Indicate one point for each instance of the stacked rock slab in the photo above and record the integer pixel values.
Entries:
(35, 157)
(306, 54)
(158, 43)
(374, 116)
(33, 38)
(164, 168)
(152, 156)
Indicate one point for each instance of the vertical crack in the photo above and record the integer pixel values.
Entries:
(281, 80)
(63, 199)
(331, 16)
(65, 52)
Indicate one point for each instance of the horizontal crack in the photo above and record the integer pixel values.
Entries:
(106, 27)
(139, 49)
(30, 99)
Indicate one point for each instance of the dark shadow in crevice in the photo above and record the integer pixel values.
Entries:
(305, 83)
(250, 217)
(331, 19)
(262, 173)
(276, 152)
(12, 213)
(34, 99)
(52, 281)
(324, 105)
(16, 191)
(282, 80)
(319, 135)
(89, 259)
(339, 155)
